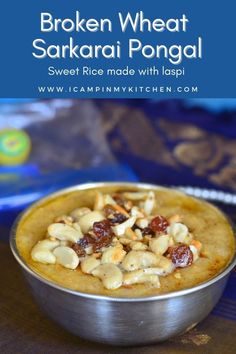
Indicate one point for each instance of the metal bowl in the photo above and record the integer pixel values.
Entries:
(122, 321)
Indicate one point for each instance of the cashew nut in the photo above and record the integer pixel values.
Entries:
(77, 213)
(178, 231)
(138, 260)
(194, 251)
(136, 212)
(160, 244)
(138, 246)
(99, 201)
(66, 256)
(68, 220)
(120, 229)
(64, 232)
(42, 251)
(156, 271)
(77, 227)
(149, 203)
(113, 255)
(128, 204)
(129, 233)
(110, 275)
(64, 243)
(138, 234)
(109, 200)
(89, 264)
(135, 195)
(139, 277)
(125, 241)
(89, 249)
(86, 221)
(142, 223)
(165, 264)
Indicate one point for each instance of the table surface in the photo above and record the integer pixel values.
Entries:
(24, 329)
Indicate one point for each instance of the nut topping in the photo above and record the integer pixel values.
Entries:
(181, 256)
(114, 216)
(79, 250)
(120, 241)
(159, 224)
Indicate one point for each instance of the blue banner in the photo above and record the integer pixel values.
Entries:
(117, 49)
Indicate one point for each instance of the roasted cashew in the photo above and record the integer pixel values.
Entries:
(119, 230)
(86, 221)
(178, 231)
(64, 232)
(109, 200)
(138, 260)
(125, 241)
(160, 244)
(99, 201)
(139, 277)
(77, 227)
(77, 213)
(66, 257)
(138, 246)
(149, 203)
(142, 222)
(129, 233)
(89, 264)
(110, 275)
(195, 253)
(136, 212)
(102, 200)
(65, 219)
(42, 251)
(138, 234)
(165, 264)
(135, 195)
(113, 255)
(156, 271)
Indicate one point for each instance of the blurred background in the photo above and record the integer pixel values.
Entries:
(49, 144)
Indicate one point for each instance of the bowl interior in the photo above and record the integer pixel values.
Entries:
(68, 199)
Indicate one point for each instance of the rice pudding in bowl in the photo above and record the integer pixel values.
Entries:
(126, 241)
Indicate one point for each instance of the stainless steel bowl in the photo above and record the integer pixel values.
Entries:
(122, 321)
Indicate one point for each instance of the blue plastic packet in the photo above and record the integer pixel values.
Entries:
(212, 104)
(26, 185)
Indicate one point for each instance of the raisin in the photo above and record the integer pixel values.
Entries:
(86, 241)
(113, 215)
(78, 249)
(102, 229)
(83, 243)
(147, 231)
(104, 242)
(118, 218)
(181, 256)
(159, 224)
(103, 234)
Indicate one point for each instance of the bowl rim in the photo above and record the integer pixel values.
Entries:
(225, 271)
